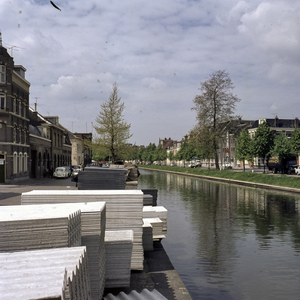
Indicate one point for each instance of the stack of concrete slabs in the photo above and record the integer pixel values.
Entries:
(93, 219)
(157, 212)
(124, 211)
(38, 227)
(157, 227)
(152, 192)
(94, 178)
(118, 248)
(147, 200)
(147, 235)
(59, 273)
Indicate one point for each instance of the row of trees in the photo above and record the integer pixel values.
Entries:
(265, 144)
(214, 107)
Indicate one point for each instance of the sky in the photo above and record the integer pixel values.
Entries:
(157, 52)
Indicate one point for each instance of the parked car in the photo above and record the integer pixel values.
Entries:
(61, 172)
(172, 164)
(297, 170)
(68, 170)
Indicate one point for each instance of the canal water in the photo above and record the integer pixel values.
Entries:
(227, 241)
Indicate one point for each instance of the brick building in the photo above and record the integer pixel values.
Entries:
(14, 120)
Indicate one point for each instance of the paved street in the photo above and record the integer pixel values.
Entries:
(10, 194)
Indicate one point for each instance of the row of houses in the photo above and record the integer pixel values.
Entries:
(227, 142)
(31, 144)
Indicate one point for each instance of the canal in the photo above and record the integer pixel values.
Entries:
(230, 242)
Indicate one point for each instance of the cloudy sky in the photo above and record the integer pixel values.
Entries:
(157, 52)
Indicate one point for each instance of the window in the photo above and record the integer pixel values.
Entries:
(14, 135)
(14, 106)
(20, 108)
(2, 74)
(15, 163)
(25, 162)
(20, 162)
(2, 101)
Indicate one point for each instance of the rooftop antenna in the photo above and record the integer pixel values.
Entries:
(12, 48)
(35, 104)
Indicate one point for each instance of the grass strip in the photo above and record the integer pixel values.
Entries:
(265, 178)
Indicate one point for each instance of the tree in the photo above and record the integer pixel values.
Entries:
(215, 106)
(282, 146)
(201, 140)
(295, 140)
(148, 153)
(243, 147)
(263, 141)
(112, 129)
(186, 151)
(160, 154)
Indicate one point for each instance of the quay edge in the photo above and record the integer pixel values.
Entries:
(233, 181)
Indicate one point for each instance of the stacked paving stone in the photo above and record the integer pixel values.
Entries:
(60, 273)
(119, 246)
(93, 221)
(124, 210)
(157, 227)
(147, 235)
(38, 227)
(157, 212)
(152, 192)
(147, 200)
(93, 178)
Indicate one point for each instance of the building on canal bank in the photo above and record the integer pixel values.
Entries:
(14, 119)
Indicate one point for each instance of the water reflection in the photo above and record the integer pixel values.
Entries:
(230, 242)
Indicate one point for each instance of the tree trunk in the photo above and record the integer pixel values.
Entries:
(244, 165)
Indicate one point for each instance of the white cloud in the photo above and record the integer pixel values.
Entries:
(157, 52)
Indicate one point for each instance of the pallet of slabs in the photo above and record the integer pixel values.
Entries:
(147, 235)
(157, 212)
(38, 227)
(118, 249)
(152, 192)
(59, 273)
(93, 178)
(147, 200)
(93, 219)
(124, 211)
(157, 228)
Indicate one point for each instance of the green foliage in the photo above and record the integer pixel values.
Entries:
(186, 152)
(149, 152)
(202, 141)
(243, 147)
(295, 140)
(263, 140)
(282, 146)
(113, 132)
(171, 156)
(160, 153)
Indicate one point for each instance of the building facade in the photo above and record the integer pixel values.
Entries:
(14, 120)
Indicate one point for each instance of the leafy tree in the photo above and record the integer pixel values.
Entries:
(215, 106)
(148, 154)
(171, 156)
(140, 153)
(282, 146)
(111, 127)
(160, 154)
(201, 140)
(186, 152)
(263, 141)
(243, 147)
(295, 140)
